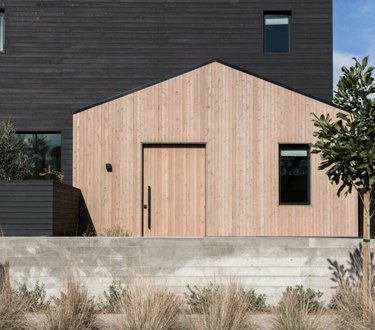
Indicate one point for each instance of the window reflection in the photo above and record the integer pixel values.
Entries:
(46, 148)
(294, 174)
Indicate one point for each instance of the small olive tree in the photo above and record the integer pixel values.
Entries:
(16, 159)
(347, 145)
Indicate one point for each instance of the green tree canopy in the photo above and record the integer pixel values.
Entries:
(16, 160)
(347, 144)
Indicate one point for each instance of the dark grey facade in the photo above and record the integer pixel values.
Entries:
(39, 208)
(63, 55)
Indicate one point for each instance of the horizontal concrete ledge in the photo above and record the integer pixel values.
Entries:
(267, 264)
(266, 240)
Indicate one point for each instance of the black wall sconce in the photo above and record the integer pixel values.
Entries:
(108, 167)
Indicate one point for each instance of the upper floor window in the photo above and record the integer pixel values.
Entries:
(46, 149)
(2, 28)
(294, 174)
(277, 32)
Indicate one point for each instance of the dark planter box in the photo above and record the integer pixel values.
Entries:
(38, 208)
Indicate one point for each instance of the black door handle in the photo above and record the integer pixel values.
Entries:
(149, 208)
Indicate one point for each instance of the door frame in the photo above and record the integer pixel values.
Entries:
(174, 145)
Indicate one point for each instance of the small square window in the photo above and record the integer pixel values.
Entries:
(2, 27)
(294, 169)
(277, 32)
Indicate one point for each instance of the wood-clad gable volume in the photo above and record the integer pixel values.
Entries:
(241, 120)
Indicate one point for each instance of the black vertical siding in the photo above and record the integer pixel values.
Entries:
(62, 55)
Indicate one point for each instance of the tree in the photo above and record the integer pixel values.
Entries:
(16, 161)
(347, 146)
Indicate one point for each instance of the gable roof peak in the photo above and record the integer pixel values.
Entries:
(213, 60)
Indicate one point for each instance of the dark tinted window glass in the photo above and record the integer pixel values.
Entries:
(294, 174)
(46, 148)
(276, 33)
(2, 36)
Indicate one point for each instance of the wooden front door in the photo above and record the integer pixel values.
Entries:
(174, 190)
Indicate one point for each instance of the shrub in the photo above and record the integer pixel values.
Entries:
(117, 231)
(112, 298)
(36, 296)
(226, 308)
(50, 173)
(16, 159)
(307, 297)
(294, 310)
(148, 307)
(198, 298)
(73, 310)
(255, 302)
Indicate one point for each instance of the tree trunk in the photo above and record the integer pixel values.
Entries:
(366, 254)
(4, 276)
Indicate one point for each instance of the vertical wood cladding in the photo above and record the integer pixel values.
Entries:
(242, 120)
(62, 55)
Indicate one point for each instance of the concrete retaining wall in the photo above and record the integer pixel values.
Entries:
(265, 264)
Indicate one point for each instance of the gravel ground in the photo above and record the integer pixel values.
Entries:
(262, 320)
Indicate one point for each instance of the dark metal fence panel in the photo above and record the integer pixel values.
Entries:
(65, 209)
(38, 208)
(26, 208)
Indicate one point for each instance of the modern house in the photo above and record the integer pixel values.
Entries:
(177, 147)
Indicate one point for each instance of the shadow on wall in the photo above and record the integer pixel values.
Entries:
(350, 275)
(85, 225)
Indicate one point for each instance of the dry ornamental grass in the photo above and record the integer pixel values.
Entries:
(226, 309)
(149, 307)
(117, 231)
(13, 310)
(350, 313)
(295, 312)
(73, 310)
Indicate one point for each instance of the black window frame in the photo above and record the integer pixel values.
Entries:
(278, 12)
(293, 146)
(2, 30)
